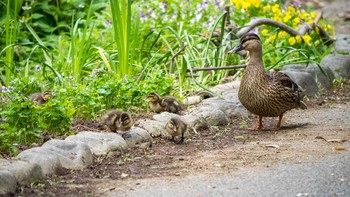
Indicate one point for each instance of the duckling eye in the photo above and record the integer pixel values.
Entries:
(171, 124)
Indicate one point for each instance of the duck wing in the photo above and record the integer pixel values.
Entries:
(283, 80)
(287, 89)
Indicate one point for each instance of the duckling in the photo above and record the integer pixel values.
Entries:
(41, 97)
(265, 94)
(171, 104)
(167, 103)
(154, 103)
(175, 127)
(117, 120)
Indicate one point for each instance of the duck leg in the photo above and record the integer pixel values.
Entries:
(278, 126)
(259, 127)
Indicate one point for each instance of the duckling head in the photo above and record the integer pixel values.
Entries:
(125, 119)
(171, 125)
(47, 94)
(249, 42)
(153, 97)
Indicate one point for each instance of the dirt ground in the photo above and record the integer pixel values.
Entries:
(320, 130)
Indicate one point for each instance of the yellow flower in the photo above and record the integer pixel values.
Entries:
(291, 9)
(277, 17)
(276, 9)
(271, 38)
(291, 41)
(298, 39)
(264, 32)
(307, 39)
(313, 15)
(266, 8)
(330, 27)
(245, 4)
(287, 17)
(296, 21)
(304, 15)
(282, 35)
(317, 30)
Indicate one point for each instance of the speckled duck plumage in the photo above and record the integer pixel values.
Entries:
(265, 94)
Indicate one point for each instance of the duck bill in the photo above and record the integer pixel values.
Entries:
(236, 49)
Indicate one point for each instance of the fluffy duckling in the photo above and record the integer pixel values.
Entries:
(167, 103)
(171, 104)
(117, 120)
(261, 93)
(41, 97)
(175, 127)
(154, 101)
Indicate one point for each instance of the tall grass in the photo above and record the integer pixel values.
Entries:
(11, 32)
(126, 36)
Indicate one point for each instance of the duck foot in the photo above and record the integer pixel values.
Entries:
(259, 127)
(278, 126)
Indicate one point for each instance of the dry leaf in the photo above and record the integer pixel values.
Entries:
(272, 146)
(336, 140)
(339, 148)
(320, 138)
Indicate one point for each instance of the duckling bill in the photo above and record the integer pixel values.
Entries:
(265, 94)
(117, 120)
(176, 127)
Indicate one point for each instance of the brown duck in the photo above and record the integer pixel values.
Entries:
(41, 97)
(117, 120)
(176, 127)
(265, 94)
(167, 103)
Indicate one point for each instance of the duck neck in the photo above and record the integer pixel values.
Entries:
(255, 68)
(255, 58)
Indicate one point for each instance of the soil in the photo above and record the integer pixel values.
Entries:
(217, 149)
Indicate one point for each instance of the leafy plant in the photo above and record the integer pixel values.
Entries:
(23, 122)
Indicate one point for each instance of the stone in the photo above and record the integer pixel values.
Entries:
(231, 96)
(295, 67)
(305, 81)
(323, 78)
(137, 137)
(191, 120)
(24, 171)
(192, 100)
(231, 107)
(210, 117)
(100, 143)
(315, 71)
(339, 64)
(73, 155)
(47, 160)
(153, 127)
(8, 183)
(207, 114)
(342, 43)
(164, 117)
(226, 86)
